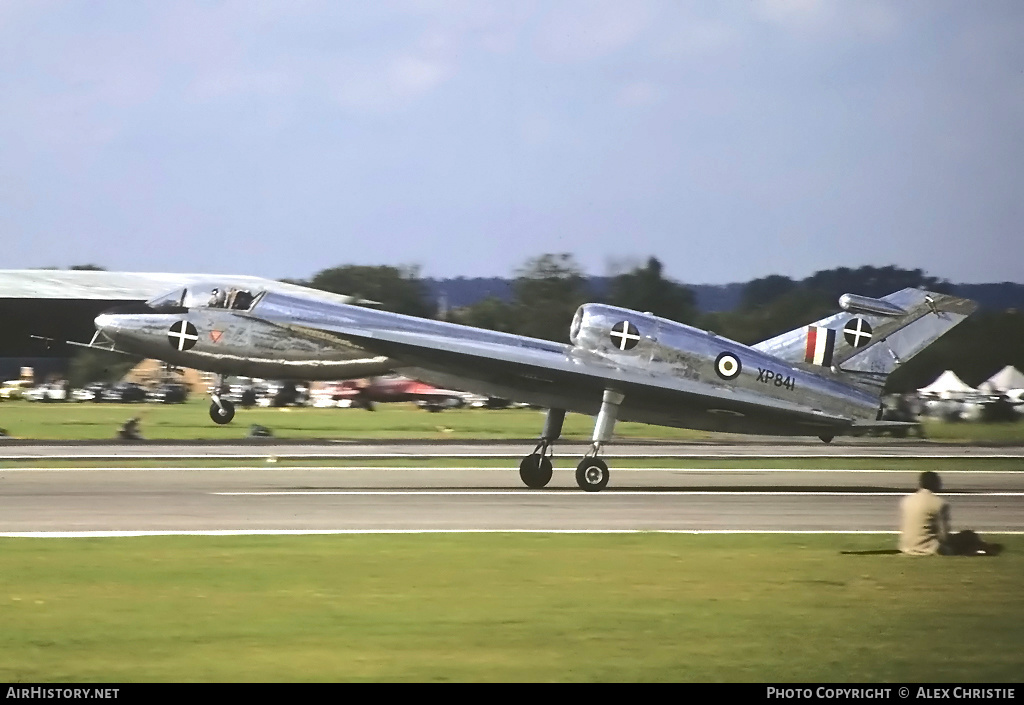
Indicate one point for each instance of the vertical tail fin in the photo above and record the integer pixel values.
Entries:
(871, 338)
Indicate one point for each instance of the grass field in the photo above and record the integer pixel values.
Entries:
(504, 607)
(493, 607)
(89, 421)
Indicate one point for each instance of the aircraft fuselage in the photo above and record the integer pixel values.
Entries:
(651, 361)
(233, 343)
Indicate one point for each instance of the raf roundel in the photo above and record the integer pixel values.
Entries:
(624, 335)
(728, 366)
(182, 336)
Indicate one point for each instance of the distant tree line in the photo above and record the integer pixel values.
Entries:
(776, 304)
(547, 290)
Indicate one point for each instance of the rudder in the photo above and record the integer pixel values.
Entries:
(871, 338)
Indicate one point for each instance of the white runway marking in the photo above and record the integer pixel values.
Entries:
(364, 468)
(331, 532)
(612, 493)
(812, 455)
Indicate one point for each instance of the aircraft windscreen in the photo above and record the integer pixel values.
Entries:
(173, 301)
(205, 296)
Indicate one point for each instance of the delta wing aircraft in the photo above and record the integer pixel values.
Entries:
(824, 379)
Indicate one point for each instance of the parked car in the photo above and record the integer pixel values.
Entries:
(169, 394)
(90, 392)
(15, 388)
(441, 404)
(989, 408)
(47, 392)
(124, 392)
(241, 391)
(477, 401)
(285, 394)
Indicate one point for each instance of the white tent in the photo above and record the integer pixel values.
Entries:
(948, 386)
(1005, 379)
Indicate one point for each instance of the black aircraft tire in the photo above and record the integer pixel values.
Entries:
(535, 471)
(592, 474)
(222, 414)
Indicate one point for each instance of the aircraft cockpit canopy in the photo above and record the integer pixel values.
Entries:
(210, 295)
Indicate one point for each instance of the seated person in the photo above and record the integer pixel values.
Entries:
(217, 299)
(243, 299)
(130, 430)
(924, 525)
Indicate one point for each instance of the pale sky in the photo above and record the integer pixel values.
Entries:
(731, 140)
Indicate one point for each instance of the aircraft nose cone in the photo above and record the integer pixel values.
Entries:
(120, 319)
(108, 324)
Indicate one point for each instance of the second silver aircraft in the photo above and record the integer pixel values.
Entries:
(824, 379)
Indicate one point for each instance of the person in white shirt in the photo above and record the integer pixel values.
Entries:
(925, 525)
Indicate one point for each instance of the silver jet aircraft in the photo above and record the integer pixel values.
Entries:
(824, 379)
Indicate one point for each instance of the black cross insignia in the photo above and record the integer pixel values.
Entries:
(857, 332)
(625, 335)
(183, 336)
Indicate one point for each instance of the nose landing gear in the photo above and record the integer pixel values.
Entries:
(592, 474)
(221, 410)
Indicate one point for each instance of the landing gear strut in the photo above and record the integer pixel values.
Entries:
(592, 472)
(535, 470)
(221, 410)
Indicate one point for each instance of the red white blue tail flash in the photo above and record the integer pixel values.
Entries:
(820, 344)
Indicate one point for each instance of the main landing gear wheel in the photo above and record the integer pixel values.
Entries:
(222, 413)
(592, 474)
(535, 471)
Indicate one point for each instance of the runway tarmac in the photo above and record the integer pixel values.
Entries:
(260, 448)
(272, 499)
